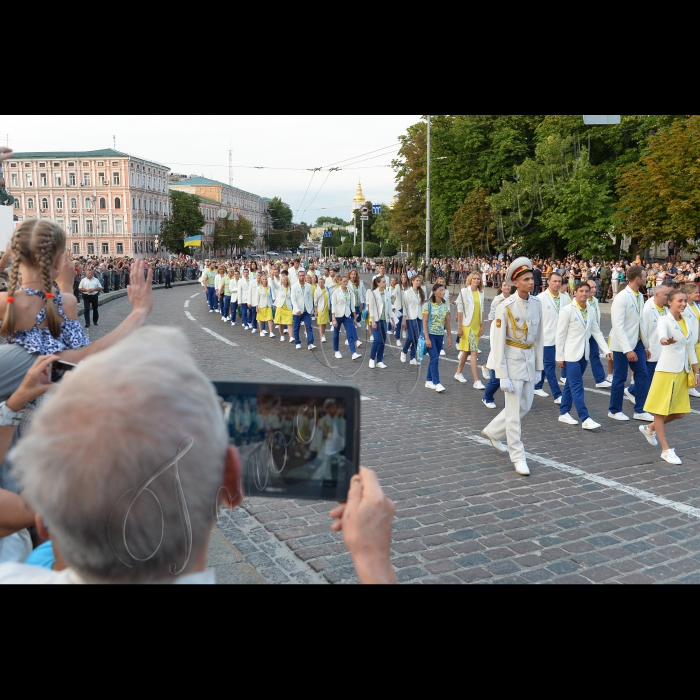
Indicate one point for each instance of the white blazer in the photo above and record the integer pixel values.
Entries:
(691, 318)
(397, 297)
(360, 292)
(465, 305)
(550, 317)
(494, 305)
(376, 306)
(282, 298)
(319, 299)
(650, 324)
(573, 334)
(340, 306)
(233, 288)
(302, 301)
(253, 293)
(412, 307)
(243, 285)
(264, 299)
(681, 355)
(626, 320)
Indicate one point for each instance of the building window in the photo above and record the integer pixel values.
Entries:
(86, 179)
(73, 203)
(42, 179)
(74, 226)
(117, 203)
(57, 179)
(115, 162)
(60, 222)
(101, 178)
(44, 203)
(88, 203)
(88, 226)
(115, 178)
(86, 165)
(103, 225)
(103, 203)
(16, 202)
(91, 248)
(59, 202)
(71, 165)
(133, 204)
(105, 249)
(30, 181)
(14, 180)
(100, 162)
(71, 179)
(76, 248)
(118, 226)
(120, 248)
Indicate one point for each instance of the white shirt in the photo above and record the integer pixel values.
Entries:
(94, 283)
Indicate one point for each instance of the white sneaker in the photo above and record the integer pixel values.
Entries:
(381, 365)
(568, 419)
(338, 355)
(429, 385)
(439, 388)
(562, 381)
(629, 396)
(604, 385)
(272, 335)
(522, 468)
(403, 335)
(414, 362)
(282, 338)
(478, 385)
(540, 392)
(650, 435)
(223, 318)
(233, 323)
(371, 364)
(487, 404)
(609, 378)
(670, 456)
(263, 333)
(211, 311)
(496, 444)
(291, 338)
(323, 338)
(255, 330)
(403, 357)
(590, 424)
(557, 401)
(356, 356)
(442, 352)
(460, 378)
(618, 416)
(692, 391)
(486, 372)
(398, 343)
(312, 347)
(298, 346)
(358, 343)
(643, 416)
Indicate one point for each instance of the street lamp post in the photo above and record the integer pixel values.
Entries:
(427, 206)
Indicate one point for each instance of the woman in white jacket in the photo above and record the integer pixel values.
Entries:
(396, 295)
(676, 370)
(343, 315)
(253, 300)
(413, 301)
(380, 310)
(264, 305)
(692, 315)
(470, 326)
(321, 305)
(233, 292)
(283, 304)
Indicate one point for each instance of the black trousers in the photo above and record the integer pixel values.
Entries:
(604, 287)
(90, 300)
(167, 282)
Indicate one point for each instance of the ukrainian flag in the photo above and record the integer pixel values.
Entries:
(193, 240)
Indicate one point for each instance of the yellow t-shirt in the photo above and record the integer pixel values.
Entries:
(475, 325)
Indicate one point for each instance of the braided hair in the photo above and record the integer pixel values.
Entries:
(36, 243)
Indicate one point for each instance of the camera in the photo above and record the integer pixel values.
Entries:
(295, 440)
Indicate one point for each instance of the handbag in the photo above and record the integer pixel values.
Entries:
(420, 345)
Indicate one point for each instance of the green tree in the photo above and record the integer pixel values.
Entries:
(345, 250)
(278, 240)
(330, 220)
(243, 235)
(280, 213)
(389, 249)
(185, 220)
(371, 249)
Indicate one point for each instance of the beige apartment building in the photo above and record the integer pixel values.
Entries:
(109, 202)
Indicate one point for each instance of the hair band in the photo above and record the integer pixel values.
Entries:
(10, 300)
(49, 295)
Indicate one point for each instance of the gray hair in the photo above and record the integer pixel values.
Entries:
(153, 404)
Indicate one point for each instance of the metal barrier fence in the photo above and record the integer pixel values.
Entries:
(114, 280)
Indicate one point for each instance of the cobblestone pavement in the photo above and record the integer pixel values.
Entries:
(599, 507)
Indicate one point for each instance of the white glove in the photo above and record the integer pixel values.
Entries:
(506, 385)
(538, 376)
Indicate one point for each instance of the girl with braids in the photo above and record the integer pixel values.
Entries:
(36, 315)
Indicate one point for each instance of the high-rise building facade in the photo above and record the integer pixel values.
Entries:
(109, 202)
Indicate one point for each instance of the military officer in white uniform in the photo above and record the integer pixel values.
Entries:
(517, 347)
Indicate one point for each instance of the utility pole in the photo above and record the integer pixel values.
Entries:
(363, 238)
(354, 231)
(427, 207)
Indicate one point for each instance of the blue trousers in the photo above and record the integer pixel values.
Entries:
(494, 384)
(226, 306)
(641, 379)
(573, 389)
(651, 368)
(434, 352)
(412, 335)
(397, 330)
(252, 314)
(234, 308)
(347, 322)
(305, 318)
(211, 297)
(599, 373)
(378, 341)
(244, 314)
(550, 371)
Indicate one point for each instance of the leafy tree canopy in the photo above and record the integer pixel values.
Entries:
(185, 220)
(280, 213)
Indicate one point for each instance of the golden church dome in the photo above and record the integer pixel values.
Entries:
(359, 197)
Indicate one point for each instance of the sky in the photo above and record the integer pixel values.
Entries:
(286, 147)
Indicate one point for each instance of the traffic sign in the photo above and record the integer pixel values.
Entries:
(327, 234)
(364, 218)
(364, 211)
(376, 208)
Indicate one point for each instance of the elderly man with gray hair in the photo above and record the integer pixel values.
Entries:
(140, 508)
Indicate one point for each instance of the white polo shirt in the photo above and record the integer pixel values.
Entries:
(86, 284)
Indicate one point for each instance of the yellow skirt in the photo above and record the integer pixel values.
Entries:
(668, 394)
(323, 317)
(264, 314)
(283, 316)
(468, 343)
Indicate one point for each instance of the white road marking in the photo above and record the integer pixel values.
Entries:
(365, 398)
(219, 337)
(287, 368)
(187, 303)
(631, 490)
(190, 316)
(194, 295)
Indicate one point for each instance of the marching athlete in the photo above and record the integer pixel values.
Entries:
(517, 345)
